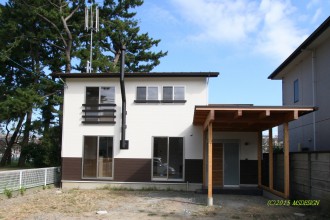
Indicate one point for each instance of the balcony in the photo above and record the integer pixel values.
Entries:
(99, 113)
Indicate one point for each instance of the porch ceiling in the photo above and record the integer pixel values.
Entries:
(242, 118)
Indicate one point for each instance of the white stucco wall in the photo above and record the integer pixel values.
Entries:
(247, 142)
(144, 121)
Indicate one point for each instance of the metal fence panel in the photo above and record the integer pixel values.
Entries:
(16, 179)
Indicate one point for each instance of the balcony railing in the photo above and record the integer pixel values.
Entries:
(99, 113)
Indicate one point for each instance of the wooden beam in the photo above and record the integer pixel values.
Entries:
(210, 168)
(259, 157)
(286, 160)
(238, 114)
(295, 114)
(264, 114)
(292, 115)
(275, 192)
(271, 150)
(204, 160)
(209, 119)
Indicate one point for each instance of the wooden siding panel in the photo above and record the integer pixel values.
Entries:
(132, 170)
(217, 165)
(71, 168)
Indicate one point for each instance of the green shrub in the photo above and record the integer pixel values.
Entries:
(22, 190)
(8, 193)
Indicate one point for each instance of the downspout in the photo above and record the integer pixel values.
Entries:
(123, 98)
(314, 97)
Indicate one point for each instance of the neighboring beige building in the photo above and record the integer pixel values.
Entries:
(305, 76)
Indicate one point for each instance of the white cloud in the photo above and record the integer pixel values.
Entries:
(220, 20)
(317, 15)
(266, 27)
(312, 3)
(279, 34)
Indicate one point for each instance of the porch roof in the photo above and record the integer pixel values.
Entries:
(247, 118)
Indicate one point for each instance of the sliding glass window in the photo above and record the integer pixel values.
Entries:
(97, 157)
(168, 158)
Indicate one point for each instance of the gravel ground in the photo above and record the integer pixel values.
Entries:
(52, 203)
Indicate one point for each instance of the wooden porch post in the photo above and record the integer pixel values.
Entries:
(210, 180)
(286, 160)
(271, 169)
(259, 157)
(204, 160)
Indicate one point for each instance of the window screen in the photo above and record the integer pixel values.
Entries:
(167, 93)
(179, 93)
(141, 93)
(152, 93)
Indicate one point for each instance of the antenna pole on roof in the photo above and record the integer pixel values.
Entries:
(91, 26)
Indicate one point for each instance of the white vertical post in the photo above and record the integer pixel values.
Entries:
(20, 178)
(45, 176)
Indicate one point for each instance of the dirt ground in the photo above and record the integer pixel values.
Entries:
(53, 203)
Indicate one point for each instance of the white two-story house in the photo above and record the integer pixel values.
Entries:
(173, 137)
(163, 144)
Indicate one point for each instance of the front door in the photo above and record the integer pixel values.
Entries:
(231, 164)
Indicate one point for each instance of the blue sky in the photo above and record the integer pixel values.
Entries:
(244, 40)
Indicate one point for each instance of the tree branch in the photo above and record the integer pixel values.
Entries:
(71, 14)
(55, 26)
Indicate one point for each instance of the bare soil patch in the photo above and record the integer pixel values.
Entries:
(122, 204)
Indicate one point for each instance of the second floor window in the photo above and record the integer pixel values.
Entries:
(145, 93)
(100, 95)
(173, 93)
(296, 91)
(170, 94)
(99, 106)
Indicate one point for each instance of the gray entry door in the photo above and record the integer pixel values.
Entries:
(231, 164)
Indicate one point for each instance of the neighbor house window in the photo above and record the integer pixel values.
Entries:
(296, 90)
(97, 157)
(173, 93)
(99, 105)
(167, 158)
(146, 93)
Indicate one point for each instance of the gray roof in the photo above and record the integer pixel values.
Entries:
(136, 74)
(316, 34)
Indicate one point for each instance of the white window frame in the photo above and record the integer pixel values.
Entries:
(147, 93)
(173, 93)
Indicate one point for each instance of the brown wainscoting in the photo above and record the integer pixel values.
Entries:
(132, 170)
(71, 168)
(194, 170)
(249, 171)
